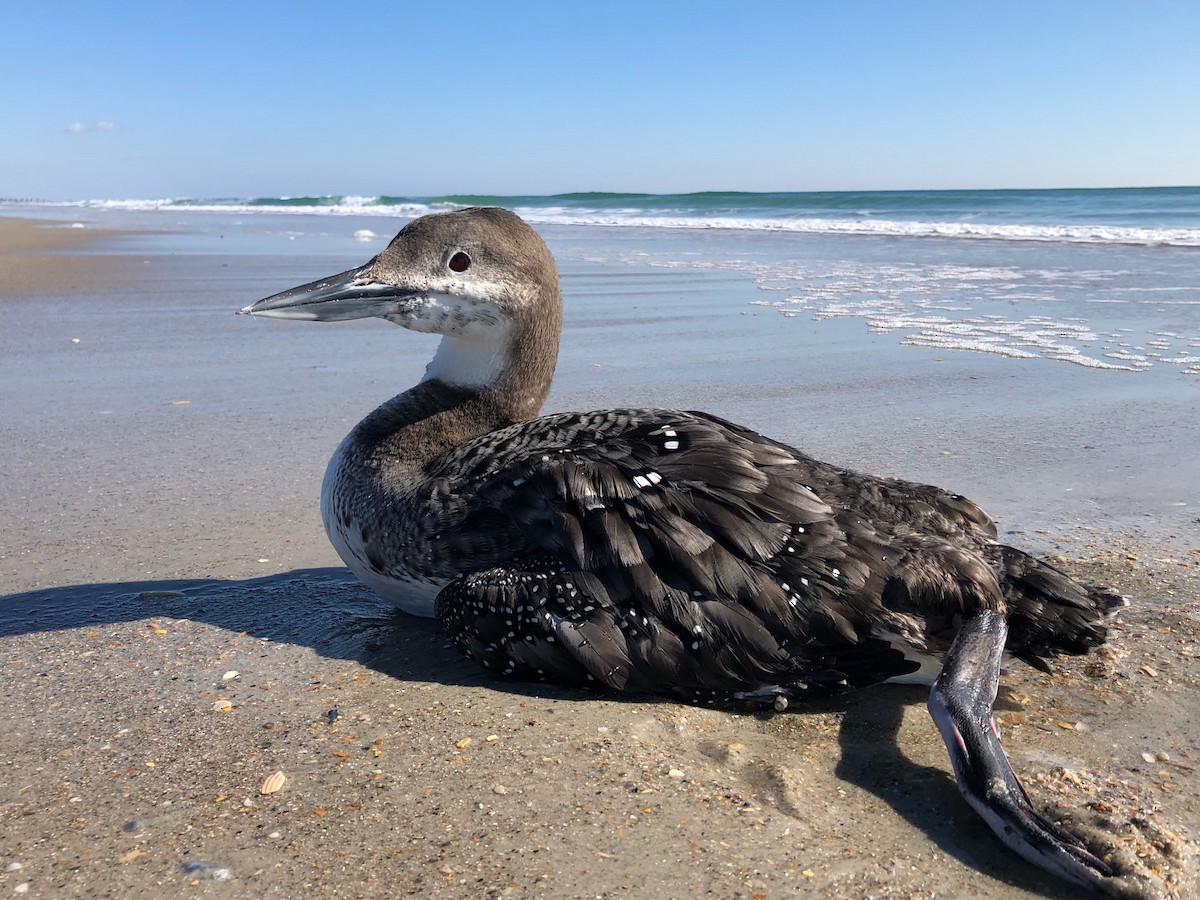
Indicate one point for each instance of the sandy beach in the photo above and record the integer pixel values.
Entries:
(176, 628)
(37, 260)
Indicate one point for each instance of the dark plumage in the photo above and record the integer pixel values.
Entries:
(726, 566)
(665, 551)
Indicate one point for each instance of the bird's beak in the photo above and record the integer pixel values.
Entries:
(349, 295)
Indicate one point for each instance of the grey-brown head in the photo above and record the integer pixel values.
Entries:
(481, 277)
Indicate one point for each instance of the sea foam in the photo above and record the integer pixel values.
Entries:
(1076, 217)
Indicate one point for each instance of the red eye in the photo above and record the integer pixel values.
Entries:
(459, 262)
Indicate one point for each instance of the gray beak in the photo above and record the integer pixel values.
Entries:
(349, 295)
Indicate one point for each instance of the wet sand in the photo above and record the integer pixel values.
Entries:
(175, 629)
(36, 259)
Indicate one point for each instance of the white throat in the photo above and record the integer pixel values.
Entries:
(475, 335)
(471, 361)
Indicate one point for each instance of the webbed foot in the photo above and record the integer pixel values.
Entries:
(961, 705)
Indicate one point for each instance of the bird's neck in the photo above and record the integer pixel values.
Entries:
(410, 430)
(511, 368)
(509, 361)
(473, 386)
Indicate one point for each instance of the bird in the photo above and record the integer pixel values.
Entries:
(662, 551)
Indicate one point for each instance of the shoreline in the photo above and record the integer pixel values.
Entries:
(42, 256)
(163, 474)
(24, 235)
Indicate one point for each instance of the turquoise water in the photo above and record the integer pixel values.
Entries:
(1147, 216)
(1105, 279)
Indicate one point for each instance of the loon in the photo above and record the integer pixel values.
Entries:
(663, 551)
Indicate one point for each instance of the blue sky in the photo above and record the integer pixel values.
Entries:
(148, 100)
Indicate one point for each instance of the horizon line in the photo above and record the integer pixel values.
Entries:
(600, 193)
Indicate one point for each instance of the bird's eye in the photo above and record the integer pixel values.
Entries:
(459, 262)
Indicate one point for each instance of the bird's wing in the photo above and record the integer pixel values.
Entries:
(654, 550)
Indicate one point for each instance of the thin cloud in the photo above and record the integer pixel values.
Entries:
(87, 128)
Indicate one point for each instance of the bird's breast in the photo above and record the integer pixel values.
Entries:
(375, 542)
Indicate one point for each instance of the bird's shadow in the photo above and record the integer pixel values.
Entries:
(327, 610)
(924, 796)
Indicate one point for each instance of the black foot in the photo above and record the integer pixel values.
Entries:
(961, 705)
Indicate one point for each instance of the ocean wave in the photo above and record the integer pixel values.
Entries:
(306, 206)
(1047, 218)
(1081, 234)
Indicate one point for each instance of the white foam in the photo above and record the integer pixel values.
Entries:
(1083, 234)
(640, 218)
(349, 206)
(949, 307)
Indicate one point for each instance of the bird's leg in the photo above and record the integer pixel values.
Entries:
(961, 705)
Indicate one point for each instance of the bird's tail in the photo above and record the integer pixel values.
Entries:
(1048, 611)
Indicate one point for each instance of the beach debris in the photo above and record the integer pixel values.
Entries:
(675, 773)
(462, 743)
(222, 706)
(1121, 824)
(211, 871)
(332, 716)
(13, 867)
(21, 888)
(499, 789)
(230, 675)
(780, 703)
(74, 340)
(131, 855)
(272, 783)
(180, 402)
